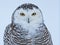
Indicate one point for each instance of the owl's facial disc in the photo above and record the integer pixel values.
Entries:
(28, 16)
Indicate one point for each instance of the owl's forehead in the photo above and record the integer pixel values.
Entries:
(28, 10)
(27, 7)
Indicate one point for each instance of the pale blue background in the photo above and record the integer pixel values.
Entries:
(50, 9)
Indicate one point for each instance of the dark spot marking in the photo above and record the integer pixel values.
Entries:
(28, 6)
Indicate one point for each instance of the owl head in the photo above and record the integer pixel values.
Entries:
(27, 14)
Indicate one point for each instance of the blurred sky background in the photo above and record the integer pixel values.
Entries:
(50, 10)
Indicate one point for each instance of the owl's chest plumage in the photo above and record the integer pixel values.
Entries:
(28, 28)
(24, 33)
(17, 35)
(31, 28)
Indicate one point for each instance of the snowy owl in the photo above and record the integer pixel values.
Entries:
(27, 27)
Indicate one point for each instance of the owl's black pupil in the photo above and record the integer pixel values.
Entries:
(22, 14)
(33, 14)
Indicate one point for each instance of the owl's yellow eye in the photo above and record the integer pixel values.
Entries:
(33, 14)
(22, 14)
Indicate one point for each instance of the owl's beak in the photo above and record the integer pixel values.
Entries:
(28, 20)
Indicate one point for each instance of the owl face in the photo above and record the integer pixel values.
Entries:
(28, 14)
